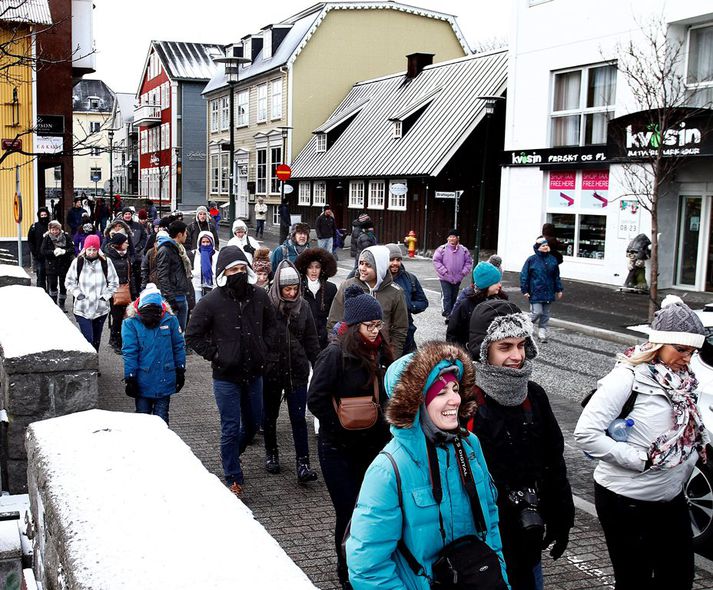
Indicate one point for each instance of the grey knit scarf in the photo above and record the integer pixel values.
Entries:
(505, 385)
(432, 432)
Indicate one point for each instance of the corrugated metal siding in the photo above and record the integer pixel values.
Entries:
(193, 174)
(367, 149)
(188, 61)
(27, 11)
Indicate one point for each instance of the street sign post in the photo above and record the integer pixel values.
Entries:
(455, 195)
(17, 210)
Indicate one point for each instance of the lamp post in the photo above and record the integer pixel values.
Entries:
(284, 131)
(111, 163)
(490, 103)
(231, 64)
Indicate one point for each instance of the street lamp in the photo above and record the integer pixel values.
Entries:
(490, 104)
(231, 64)
(111, 163)
(284, 131)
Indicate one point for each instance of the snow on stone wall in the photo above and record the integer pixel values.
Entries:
(11, 274)
(120, 502)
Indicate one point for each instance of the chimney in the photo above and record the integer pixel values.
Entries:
(416, 63)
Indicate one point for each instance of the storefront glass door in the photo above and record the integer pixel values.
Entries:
(689, 233)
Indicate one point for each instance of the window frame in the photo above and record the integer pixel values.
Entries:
(373, 203)
(261, 172)
(397, 130)
(356, 194)
(273, 113)
(321, 143)
(224, 113)
(395, 200)
(274, 162)
(319, 197)
(262, 103)
(215, 173)
(304, 197)
(224, 173)
(243, 118)
(214, 115)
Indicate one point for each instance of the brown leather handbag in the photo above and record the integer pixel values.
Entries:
(122, 296)
(358, 413)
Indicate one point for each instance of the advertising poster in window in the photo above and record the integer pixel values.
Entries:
(595, 189)
(562, 189)
(629, 213)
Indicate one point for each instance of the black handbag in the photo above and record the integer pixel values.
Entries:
(467, 563)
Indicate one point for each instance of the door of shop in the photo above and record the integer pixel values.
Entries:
(694, 259)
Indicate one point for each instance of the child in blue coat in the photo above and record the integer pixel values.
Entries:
(540, 283)
(154, 353)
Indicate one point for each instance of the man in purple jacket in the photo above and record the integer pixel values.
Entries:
(452, 262)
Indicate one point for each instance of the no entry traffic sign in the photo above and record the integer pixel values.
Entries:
(283, 172)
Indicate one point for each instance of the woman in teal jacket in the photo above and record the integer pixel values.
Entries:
(431, 391)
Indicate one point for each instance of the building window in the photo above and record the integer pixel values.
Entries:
(320, 193)
(94, 104)
(164, 183)
(276, 99)
(94, 126)
(577, 205)
(397, 129)
(224, 113)
(303, 195)
(356, 194)
(215, 173)
(214, 116)
(225, 173)
(261, 187)
(397, 201)
(243, 108)
(321, 142)
(95, 151)
(376, 194)
(165, 137)
(165, 95)
(144, 142)
(275, 161)
(582, 104)
(266, 44)
(699, 66)
(262, 103)
(275, 215)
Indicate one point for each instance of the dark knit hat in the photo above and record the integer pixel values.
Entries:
(453, 232)
(143, 215)
(127, 210)
(495, 319)
(496, 261)
(360, 307)
(363, 218)
(228, 257)
(117, 239)
(675, 323)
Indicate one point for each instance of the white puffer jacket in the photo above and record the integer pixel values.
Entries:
(96, 288)
(621, 464)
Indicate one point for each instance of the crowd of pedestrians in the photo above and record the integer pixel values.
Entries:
(444, 462)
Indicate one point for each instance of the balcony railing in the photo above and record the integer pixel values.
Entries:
(147, 115)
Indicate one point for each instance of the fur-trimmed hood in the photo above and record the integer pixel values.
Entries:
(325, 259)
(406, 378)
(121, 222)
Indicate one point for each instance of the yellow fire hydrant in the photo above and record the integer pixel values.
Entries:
(411, 241)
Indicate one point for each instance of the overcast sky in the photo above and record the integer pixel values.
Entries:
(124, 28)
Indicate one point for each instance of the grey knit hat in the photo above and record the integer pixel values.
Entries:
(496, 319)
(288, 276)
(394, 251)
(675, 323)
(368, 257)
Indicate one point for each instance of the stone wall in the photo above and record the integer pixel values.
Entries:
(119, 501)
(47, 369)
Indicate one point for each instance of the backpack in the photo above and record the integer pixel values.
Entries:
(102, 261)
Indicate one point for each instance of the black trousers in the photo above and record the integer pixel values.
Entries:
(650, 543)
(117, 316)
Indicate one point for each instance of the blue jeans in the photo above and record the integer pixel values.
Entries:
(326, 243)
(233, 399)
(91, 329)
(158, 406)
(450, 294)
(182, 311)
(259, 227)
(540, 312)
(296, 406)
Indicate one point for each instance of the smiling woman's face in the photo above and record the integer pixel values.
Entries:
(443, 409)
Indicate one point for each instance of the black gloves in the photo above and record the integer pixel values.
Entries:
(180, 378)
(132, 386)
(560, 538)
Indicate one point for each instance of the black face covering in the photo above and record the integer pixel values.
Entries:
(151, 315)
(238, 284)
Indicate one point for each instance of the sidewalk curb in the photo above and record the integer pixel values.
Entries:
(601, 333)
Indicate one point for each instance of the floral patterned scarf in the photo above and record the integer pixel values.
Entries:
(688, 433)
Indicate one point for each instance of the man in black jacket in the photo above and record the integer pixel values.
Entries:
(34, 239)
(326, 227)
(233, 326)
(202, 222)
(173, 277)
(138, 239)
(521, 441)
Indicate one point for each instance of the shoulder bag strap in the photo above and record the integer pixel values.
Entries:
(413, 563)
(466, 476)
(435, 474)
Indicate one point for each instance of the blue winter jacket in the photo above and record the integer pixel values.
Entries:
(416, 302)
(152, 354)
(289, 250)
(378, 522)
(540, 277)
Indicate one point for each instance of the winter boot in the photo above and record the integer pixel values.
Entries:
(542, 334)
(60, 302)
(272, 462)
(304, 472)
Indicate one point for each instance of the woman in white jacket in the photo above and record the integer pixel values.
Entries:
(204, 261)
(639, 482)
(242, 240)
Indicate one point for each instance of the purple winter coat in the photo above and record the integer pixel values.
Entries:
(452, 265)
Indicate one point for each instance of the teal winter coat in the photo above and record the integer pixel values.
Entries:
(378, 523)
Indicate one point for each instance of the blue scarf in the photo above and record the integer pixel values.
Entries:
(206, 265)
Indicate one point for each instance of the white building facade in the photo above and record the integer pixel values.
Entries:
(564, 88)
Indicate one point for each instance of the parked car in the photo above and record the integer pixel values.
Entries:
(699, 489)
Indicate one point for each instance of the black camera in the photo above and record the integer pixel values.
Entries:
(525, 501)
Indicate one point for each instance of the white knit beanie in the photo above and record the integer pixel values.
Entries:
(675, 323)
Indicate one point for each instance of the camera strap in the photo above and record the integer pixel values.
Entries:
(466, 476)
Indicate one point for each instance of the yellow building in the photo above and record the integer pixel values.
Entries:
(299, 70)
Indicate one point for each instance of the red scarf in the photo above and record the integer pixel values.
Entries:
(371, 347)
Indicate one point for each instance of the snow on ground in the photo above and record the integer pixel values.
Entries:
(31, 324)
(140, 511)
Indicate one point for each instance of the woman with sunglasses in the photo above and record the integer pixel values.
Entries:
(639, 482)
(351, 366)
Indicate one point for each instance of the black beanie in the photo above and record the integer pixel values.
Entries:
(118, 239)
(227, 257)
(360, 307)
(453, 232)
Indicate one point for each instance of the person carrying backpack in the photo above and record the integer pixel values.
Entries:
(639, 482)
(92, 281)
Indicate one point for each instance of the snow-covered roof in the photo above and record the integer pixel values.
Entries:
(126, 101)
(27, 312)
(135, 509)
(187, 61)
(27, 11)
(95, 89)
(303, 26)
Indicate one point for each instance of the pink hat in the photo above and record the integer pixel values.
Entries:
(439, 384)
(92, 242)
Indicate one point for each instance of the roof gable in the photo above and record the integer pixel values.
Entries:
(446, 97)
(182, 60)
(28, 11)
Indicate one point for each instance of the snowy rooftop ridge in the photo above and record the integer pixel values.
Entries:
(133, 508)
(30, 324)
